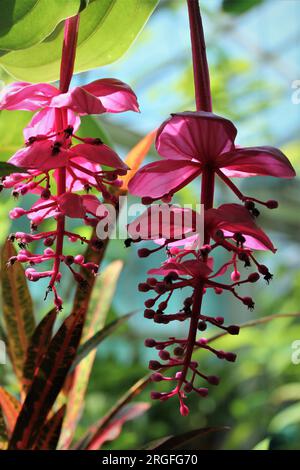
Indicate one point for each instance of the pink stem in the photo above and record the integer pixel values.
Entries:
(61, 122)
(200, 65)
(203, 103)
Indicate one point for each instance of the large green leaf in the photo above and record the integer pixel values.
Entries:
(107, 29)
(17, 308)
(237, 7)
(93, 342)
(24, 23)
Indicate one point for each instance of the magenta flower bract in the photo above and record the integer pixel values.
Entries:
(190, 141)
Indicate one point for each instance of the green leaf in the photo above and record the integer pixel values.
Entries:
(91, 126)
(6, 169)
(98, 337)
(47, 383)
(100, 303)
(107, 29)
(11, 126)
(17, 308)
(237, 7)
(38, 345)
(24, 23)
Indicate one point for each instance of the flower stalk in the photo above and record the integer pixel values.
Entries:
(203, 103)
(61, 122)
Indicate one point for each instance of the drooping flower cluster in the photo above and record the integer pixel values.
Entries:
(192, 143)
(58, 173)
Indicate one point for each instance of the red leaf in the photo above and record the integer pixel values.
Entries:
(113, 428)
(50, 432)
(10, 407)
(47, 383)
(38, 346)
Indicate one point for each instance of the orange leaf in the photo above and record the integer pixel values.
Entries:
(136, 156)
(10, 407)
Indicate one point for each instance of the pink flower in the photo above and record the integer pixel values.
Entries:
(176, 226)
(190, 141)
(233, 220)
(100, 96)
(46, 155)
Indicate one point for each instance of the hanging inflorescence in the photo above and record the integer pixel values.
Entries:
(58, 172)
(193, 144)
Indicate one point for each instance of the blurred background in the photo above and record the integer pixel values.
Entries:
(254, 57)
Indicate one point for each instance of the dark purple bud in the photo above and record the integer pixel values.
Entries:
(253, 277)
(178, 351)
(202, 325)
(154, 365)
(230, 357)
(143, 287)
(150, 342)
(157, 377)
(164, 355)
(144, 252)
(149, 313)
(149, 303)
(271, 204)
(213, 379)
(188, 387)
(233, 330)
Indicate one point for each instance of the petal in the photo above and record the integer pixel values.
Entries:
(82, 178)
(43, 123)
(39, 215)
(79, 100)
(91, 203)
(114, 95)
(192, 268)
(71, 205)
(233, 218)
(165, 221)
(161, 178)
(38, 156)
(26, 96)
(195, 135)
(101, 154)
(252, 161)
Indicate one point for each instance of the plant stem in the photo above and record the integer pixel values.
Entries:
(203, 103)
(200, 65)
(61, 122)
